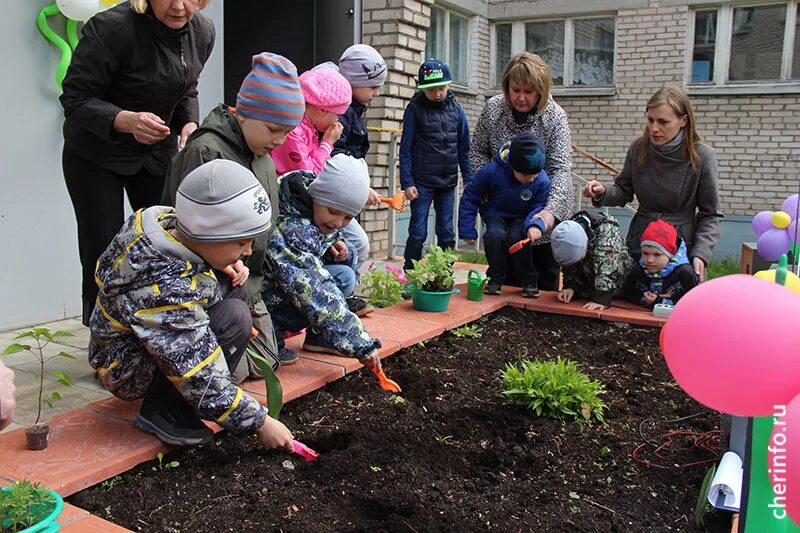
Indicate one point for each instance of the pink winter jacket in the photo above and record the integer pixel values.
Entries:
(302, 150)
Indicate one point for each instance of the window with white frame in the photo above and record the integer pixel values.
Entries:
(745, 44)
(448, 40)
(579, 51)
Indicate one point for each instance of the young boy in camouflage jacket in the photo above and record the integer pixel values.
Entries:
(160, 329)
(301, 292)
(594, 259)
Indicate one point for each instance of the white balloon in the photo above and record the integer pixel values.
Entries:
(80, 10)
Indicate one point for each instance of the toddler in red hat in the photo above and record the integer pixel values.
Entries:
(663, 274)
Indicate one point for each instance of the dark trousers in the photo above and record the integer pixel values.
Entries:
(679, 282)
(444, 204)
(545, 264)
(97, 199)
(500, 234)
(231, 322)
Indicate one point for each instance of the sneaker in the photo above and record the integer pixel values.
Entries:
(493, 288)
(315, 342)
(173, 421)
(286, 356)
(359, 306)
(530, 291)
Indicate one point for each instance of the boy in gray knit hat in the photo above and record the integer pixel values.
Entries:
(301, 289)
(162, 331)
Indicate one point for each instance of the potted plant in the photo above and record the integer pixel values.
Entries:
(29, 507)
(38, 433)
(432, 280)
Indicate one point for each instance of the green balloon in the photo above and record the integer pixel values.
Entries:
(53, 37)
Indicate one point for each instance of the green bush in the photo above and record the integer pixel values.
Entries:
(434, 272)
(383, 288)
(556, 389)
(23, 505)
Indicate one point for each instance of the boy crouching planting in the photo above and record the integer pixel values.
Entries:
(160, 329)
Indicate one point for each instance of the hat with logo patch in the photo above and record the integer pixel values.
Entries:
(433, 73)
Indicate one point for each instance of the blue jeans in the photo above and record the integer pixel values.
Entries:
(500, 234)
(444, 204)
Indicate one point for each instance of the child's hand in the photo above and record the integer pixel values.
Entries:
(534, 233)
(273, 434)
(371, 361)
(411, 193)
(469, 241)
(649, 297)
(594, 306)
(373, 199)
(566, 295)
(338, 251)
(594, 189)
(238, 273)
(333, 132)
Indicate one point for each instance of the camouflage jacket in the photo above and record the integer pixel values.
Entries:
(293, 273)
(602, 273)
(151, 316)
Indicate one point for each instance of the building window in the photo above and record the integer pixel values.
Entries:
(579, 51)
(448, 40)
(745, 45)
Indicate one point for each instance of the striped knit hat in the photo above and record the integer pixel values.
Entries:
(271, 91)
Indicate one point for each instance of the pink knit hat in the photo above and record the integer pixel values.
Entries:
(326, 89)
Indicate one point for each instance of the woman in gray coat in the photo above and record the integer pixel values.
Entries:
(673, 174)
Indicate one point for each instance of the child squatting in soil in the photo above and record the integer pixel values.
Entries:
(299, 290)
(509, 192)
(663, 274)
(593, 257)
(162, 331)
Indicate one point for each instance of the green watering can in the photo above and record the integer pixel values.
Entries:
(475, 284)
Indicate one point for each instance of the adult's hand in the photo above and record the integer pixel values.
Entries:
(187, 130)
(7, 402)
(594, 189)
(146, 128)
(700, 268)
(273, 434)
(411, 193)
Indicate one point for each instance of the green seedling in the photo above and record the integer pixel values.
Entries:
(469, 332)
(445, 440)
(164, 465)
(109, 484)
(375, 468)
(23, 505)
(396, 399)
(42, 337)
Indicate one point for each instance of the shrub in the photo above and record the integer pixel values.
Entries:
(434, 273)
(555, 389)
(23, 505)
(383, 288)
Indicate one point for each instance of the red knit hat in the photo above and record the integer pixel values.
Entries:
(661, 235)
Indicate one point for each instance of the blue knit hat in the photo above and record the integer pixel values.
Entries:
(433, 73)
(526, 154)
(271, 91)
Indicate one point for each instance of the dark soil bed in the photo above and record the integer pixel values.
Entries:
(447, 454)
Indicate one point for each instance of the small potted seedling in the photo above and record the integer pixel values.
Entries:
(26, 506)
(432, 280)
(38, 434)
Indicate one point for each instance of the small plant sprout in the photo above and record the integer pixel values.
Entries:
(163, 465)
(109, 484)
(42, 337)
(376, 468)
(555, 389)
(383, 288)
(444, 440)
(24, 505)
(468, 332)
(396, 399)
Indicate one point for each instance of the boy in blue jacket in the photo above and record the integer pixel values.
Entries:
(514, 188)
(435, 143)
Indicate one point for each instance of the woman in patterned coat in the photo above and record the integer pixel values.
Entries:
(526, 105)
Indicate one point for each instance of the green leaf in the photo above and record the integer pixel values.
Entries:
(574, 495)
(274, 387)
(55, 396)
(67, 355)
(63, 334)
(173, 464)
(24, 334)
(700, 507)
(63, 378)
(43, 332)
(15, 348)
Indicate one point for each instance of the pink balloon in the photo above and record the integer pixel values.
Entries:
(762, 222)
(773, 243)
(784, 467)
(731, 344)
(790, 206)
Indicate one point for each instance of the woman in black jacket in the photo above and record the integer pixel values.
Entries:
(130, 100)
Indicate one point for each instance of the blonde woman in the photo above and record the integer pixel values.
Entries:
(673, 174)
(130, 100)
(527, 106)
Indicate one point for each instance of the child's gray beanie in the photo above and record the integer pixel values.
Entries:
(221, 201)
(342, 184)
(363, 66)
(569, 242)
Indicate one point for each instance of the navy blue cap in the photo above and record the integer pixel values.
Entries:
(526, 154)
(434, 73)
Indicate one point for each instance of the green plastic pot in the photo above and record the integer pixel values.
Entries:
(431, 302)
(48, 524)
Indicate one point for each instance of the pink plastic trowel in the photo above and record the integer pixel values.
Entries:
(301, 449)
